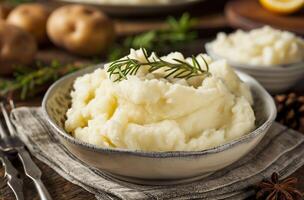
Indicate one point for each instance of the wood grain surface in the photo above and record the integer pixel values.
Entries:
(249, 14)
(59, 188)
(208, 13)
(209, 23)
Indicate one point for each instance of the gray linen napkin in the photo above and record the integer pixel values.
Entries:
(282, 150)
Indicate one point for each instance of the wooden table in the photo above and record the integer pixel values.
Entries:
(59, 188)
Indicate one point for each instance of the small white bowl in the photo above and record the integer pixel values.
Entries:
(159, 168)
(275, 79)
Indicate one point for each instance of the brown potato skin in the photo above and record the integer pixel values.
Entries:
(17, 48)
(82, 30)
(31, 17)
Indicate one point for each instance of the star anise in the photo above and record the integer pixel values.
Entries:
(274, 189)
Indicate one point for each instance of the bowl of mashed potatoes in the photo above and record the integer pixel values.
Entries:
(165, 123)
(274, 57)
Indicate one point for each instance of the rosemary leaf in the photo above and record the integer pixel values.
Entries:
(16, 2)
(178, 33)
(29, 81)
(178, 69)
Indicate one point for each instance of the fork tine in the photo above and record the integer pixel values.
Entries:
(3, 132)
(12, 104)
(7, 119)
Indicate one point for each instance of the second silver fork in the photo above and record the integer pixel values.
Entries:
(14, 145)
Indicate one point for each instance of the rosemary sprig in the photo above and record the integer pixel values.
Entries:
(16, 2)
(120, 69)
(28, 82)
(178, 33)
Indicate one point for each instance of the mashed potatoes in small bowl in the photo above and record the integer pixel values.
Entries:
(274, 57)
(159, 120)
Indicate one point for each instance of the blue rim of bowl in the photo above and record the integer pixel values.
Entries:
(273, 68)
(153, 154)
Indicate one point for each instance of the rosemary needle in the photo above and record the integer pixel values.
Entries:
(178, 69)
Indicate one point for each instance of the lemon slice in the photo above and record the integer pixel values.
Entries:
(282, 6)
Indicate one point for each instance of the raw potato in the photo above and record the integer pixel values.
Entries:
(32, 18)
(81, 29)
(17, 48)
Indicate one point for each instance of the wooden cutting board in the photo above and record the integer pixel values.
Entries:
(249, 14)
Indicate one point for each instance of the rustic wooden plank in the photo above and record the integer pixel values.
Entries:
(59, 188)
(130, 27)
(250, 14)
(209, 15)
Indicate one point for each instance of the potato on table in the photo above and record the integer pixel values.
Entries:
(17, 48)
(81, 29)
(31, 17)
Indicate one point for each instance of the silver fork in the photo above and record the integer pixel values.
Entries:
(15, 145)
(13, 179)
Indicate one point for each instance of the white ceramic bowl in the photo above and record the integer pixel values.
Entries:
(156, 167)
(275, 79)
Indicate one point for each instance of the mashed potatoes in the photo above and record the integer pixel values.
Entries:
(265, 46)
(146, 112)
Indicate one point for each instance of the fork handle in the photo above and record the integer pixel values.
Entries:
(13, 179)
(42, 191)
(32, 171)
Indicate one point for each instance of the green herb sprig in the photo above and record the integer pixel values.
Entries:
(120, 69)
(28, 82)
(177, 33)
(16, 2)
